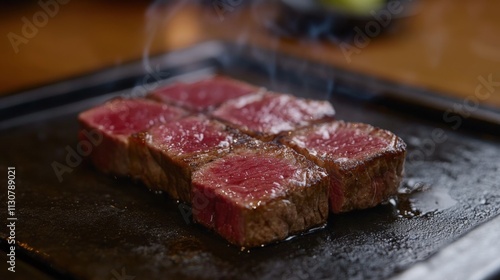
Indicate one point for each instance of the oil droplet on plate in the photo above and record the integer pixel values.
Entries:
(422, 201)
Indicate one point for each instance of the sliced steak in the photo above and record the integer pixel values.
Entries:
(260, 193)
(115, 121)
(365, 164)
(265, 115)
(167, 154)
(203, 95)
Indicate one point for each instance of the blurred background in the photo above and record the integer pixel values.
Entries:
(440, 45)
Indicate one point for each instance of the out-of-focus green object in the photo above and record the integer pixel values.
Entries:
(355, 6)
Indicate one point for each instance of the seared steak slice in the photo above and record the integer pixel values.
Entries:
(116, 120)
(365, 164)
(165, 156)
(260, 193)
(265, 115)
(203, 95)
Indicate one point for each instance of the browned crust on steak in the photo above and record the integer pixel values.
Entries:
(301, 208)
(359, 184)
(172, 173)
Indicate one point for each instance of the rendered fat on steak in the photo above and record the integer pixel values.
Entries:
(115, 121)
(365, 164)
(203, 95)
(266, 115)
(260, 193)
(167, 154)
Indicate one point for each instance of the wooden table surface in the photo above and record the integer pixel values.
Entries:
(446, 46)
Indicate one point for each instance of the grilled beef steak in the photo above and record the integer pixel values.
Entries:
(116, 120)
(265, 115)
(247, 188)
(260, 193)
(365, 164)
(203, 95)
(165, 156)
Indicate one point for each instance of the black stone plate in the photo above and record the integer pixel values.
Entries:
(93, 226)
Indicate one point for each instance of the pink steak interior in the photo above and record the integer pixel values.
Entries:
(190, 135)
(204, 94)
(128, 116)
(273, 113)
(340, 142)
(248, 179)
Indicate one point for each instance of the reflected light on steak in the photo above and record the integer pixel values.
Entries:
(265, 115)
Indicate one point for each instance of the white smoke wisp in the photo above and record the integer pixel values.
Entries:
(157, 15)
